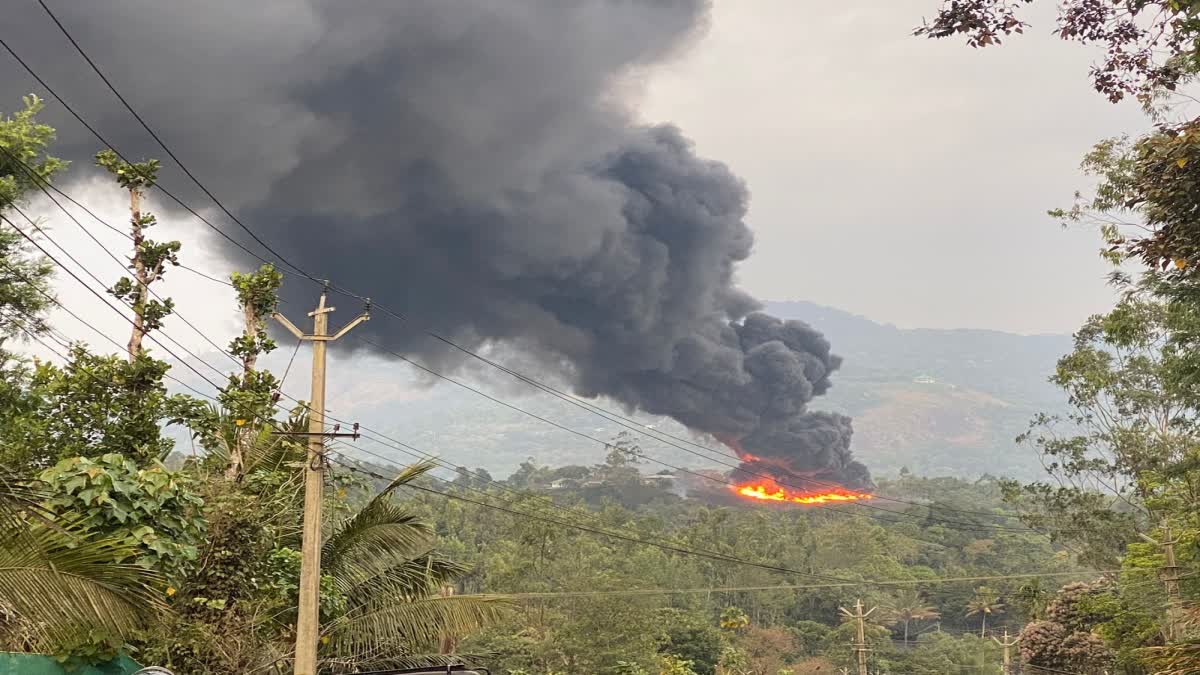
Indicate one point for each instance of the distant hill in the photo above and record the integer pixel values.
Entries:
(941, 402)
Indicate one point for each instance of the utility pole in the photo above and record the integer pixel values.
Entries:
(1008, 645)
(860, 645)
(1170, 578)
(307, 623)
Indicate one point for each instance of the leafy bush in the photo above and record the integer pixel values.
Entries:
(153, 509)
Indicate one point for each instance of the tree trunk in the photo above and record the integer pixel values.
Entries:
(906, 633)
(983, 627)
(139, 274)
(449, 642)
(244, 435)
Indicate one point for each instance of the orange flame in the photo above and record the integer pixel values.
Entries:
(769, 490)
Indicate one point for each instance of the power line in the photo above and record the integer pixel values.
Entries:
(209, 365)
(638, 428)
(163, 145)
(58, 263)
(972, 526)
(715, 556)
(109, 145)
(797, 587)
(234, 359)
(614, 535)
(85, 323)
(590, 407)
(44, 185)
(115, 259)
(961, 525)
(106, 303)
(589, 515)
(678, 549)
(595, 409)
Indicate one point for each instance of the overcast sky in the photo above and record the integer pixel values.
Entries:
(926, 165)
(899, 178)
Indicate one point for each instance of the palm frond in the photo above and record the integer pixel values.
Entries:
(20, 499)
(17, 494)
(60, 582)
(408, 627)
(378, 537)
(372, 541)
(414, 578)
(267, 451)
(406, 476)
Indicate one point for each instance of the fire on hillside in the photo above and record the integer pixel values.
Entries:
(766, 489)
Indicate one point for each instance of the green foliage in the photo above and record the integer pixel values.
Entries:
(1131, 434)
(152, 510)
(23, 143)
(770, 628)
(943, 653)
(24, 276)
(984, 604)
(1149, 46)
(909, 606)
(690, 639)
(93, 406)
(68, 591)
(258, 291)
(250, 395)
(129, 176)
(154, 257)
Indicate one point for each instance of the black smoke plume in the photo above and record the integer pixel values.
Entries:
(479, 167)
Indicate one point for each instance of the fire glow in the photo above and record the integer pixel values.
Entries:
(769, 490)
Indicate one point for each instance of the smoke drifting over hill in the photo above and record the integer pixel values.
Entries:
(478, 167)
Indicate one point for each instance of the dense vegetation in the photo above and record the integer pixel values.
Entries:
(111, 543)
(589, 603)
(105, 549)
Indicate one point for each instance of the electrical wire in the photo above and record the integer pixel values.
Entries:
(595, 409)
(47, 185)
(722, 557)
(344, 291)
(589, 514)
(54, 301)
(112, 147)
(151, 291)
(795, 587)
(42, 184)
(613, 535)
(162, 144)
(640, 427)
(677, 549)
(106, 303)
(960, 525)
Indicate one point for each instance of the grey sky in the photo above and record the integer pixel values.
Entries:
(891, 176)
(927, 167)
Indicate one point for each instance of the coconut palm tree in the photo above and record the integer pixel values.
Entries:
(909, 606)
(270, 449)
(57, 583)
(399, 610)
(985, 603)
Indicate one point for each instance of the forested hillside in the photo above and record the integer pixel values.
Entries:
(589, 603)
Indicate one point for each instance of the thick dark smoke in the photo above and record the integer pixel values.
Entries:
(478, 166)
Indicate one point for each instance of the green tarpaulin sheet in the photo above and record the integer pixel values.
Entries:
(36, 664)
